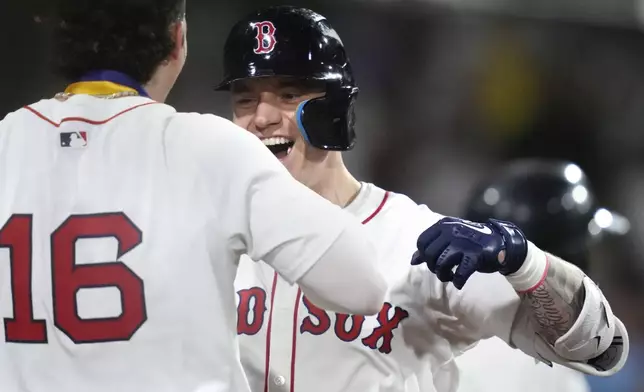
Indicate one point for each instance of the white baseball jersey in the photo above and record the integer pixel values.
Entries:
(121, 226)
(290, 345)
(493, 366)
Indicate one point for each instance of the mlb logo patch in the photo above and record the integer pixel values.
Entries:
(73, 139)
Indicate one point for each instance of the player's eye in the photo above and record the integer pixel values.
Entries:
(290, 96)
(244, 101)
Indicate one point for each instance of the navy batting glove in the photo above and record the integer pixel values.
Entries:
(470, 247)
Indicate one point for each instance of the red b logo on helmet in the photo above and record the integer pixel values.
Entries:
(265, 37)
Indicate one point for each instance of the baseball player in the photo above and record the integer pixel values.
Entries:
(292, 86)
(553, 204)
(122, 221)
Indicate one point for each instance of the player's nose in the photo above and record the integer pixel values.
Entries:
(267, 117)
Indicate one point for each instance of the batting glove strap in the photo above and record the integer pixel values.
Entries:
(516, 245)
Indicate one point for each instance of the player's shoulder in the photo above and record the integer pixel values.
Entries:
(198, 120)
(23, 112)
(208, 131)
(204, 124)
(403, 207)
(23, 115)
(215, 143)
(90, 109)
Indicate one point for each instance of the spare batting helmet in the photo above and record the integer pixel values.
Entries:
(553, 204)
(298, 43)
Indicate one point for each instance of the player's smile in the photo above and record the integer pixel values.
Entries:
(279, 145)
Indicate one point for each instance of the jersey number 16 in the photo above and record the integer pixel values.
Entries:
(67, 278)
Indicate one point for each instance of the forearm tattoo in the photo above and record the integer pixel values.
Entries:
(557, 302)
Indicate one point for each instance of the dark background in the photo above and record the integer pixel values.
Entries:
(449, 91)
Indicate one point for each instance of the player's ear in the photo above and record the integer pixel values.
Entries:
(178, 31)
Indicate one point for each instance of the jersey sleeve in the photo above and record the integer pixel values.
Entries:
(267, 213)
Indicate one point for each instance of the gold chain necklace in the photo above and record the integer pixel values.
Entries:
(65, 96)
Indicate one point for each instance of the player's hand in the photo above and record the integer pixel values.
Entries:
(494, 246)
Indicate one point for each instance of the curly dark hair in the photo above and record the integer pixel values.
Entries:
(130, 36)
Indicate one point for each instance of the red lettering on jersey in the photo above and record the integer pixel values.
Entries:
(386, 328)
(324, 322)
(341, 325)
(244, 327)
(265, 37)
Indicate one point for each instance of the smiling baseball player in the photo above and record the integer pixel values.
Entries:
(292, 86)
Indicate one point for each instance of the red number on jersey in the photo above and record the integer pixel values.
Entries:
(22, 328)
(68, 278)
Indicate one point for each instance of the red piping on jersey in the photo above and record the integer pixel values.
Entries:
(373, 214)
(268, 334)
(297, 307)
(85, 120)
(293, 346)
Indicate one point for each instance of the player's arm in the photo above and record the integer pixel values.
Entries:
(555, 313)
(310, 241)
(558, 296)
(346, 256)
(305, 238)
(569, 315)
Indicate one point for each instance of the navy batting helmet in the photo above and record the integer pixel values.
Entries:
(294, 42)
(553, 204)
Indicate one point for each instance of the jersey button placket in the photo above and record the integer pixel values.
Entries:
(279, 380)
(282, 335)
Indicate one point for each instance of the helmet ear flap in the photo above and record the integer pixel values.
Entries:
(328, 122)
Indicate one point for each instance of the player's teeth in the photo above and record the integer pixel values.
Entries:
(289, 150)
(275, 140)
